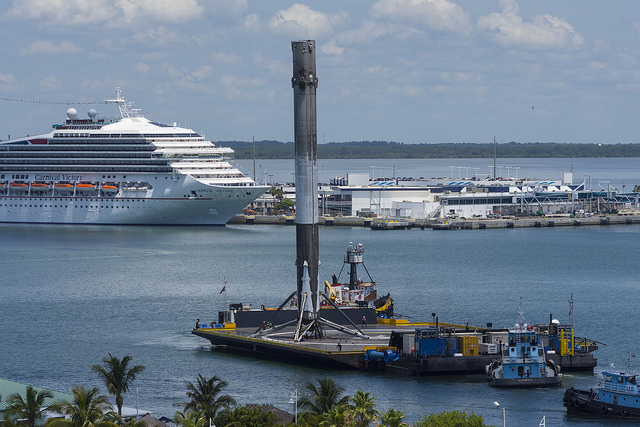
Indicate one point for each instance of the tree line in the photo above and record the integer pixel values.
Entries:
(324, 403)
(398, 150)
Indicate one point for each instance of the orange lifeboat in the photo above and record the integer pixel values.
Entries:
(19, 184)
(63, 186)
(38, 185)
(109, 187)
(86, 186)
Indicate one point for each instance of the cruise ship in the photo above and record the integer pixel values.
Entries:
(126, 170)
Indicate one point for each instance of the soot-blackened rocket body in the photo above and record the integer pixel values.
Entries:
(304, 83)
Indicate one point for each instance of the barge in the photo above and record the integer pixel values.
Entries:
(421, 348)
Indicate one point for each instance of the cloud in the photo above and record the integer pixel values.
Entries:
(226, 58)
(200, 74)
(368, 32)
(142, 67)
(46, 47)
(157, 36)
(252, 22)
(544, 31)
(50, 83)
(300, 21)
(113, 13)
(226, 7)
(331, 49)
(434, 15)
(7, 78)
(162, 10)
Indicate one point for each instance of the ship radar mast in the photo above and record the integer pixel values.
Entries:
(125, 107)
(522, 322)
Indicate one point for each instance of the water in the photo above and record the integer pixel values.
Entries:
(69, 295)
(601, 173)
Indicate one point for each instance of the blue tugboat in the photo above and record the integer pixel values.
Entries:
(616, 396)
(523, 362)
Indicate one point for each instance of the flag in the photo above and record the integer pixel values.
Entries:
(224, 288)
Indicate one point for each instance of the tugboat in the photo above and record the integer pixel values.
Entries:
(616, 396)
(523, 362)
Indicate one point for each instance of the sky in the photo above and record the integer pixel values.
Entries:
(409, 71)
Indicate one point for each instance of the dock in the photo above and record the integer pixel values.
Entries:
(390, 223)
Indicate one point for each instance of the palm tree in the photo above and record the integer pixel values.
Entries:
(63, 422)
(31, 408)
(324, 397)
(336, 417)
(247, 416)
(87, 408)
(190, 419)
(206, 398)
(117, 376)
(278, 193)
(392, 418)
(363, 411)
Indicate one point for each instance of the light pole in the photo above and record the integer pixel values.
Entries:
(294, 400)
(497, 405)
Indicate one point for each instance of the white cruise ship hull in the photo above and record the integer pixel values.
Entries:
(171, 201)
(126, 170)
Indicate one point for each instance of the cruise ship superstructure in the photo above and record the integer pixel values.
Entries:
(128, 170)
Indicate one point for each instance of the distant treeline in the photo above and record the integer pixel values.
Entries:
(397, 150)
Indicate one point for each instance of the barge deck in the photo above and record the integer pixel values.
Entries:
(343, 351)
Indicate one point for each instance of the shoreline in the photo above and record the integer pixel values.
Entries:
(389, 223)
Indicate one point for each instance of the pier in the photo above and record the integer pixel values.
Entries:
(448, 224)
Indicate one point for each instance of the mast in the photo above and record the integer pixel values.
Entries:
(571, 309)
(123, 106)
(494, 157)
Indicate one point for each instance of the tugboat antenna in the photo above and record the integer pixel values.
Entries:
(571, 309)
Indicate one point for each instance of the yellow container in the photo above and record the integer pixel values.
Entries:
(468, 345)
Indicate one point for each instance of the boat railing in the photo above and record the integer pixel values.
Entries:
(623, 387)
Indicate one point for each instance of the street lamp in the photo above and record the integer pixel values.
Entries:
(294, 400)
(497, 405)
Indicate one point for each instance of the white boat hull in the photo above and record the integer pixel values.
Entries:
(171, 201)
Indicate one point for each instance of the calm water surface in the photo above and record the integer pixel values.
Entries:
(600, 173)
(71, 294)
